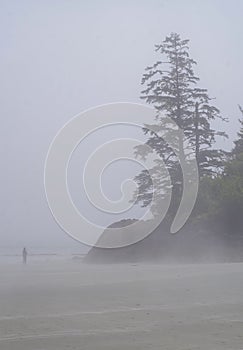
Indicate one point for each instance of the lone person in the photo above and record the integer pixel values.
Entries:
(24, 256)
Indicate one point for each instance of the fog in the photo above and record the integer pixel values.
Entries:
(62, 57)
(171, 292)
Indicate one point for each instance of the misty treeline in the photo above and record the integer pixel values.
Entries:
(172, 88)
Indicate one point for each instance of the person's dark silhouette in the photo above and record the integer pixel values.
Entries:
(24, 256)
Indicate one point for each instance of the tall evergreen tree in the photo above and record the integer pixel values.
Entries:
(171, 87)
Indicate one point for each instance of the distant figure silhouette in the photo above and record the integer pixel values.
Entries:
(24, 256)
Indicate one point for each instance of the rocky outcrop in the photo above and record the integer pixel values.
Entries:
(198, 241)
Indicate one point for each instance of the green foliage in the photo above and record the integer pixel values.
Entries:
(221, 198)
(207, 203)
(231, 195)
(232, 185)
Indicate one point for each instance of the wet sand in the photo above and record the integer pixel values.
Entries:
(70, 305)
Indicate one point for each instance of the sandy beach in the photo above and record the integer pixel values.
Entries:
(57, 305)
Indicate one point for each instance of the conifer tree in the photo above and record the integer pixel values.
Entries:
(171, 87)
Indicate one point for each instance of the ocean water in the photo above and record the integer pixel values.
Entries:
(13, 255)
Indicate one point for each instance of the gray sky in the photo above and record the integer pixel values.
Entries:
(61, 57)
